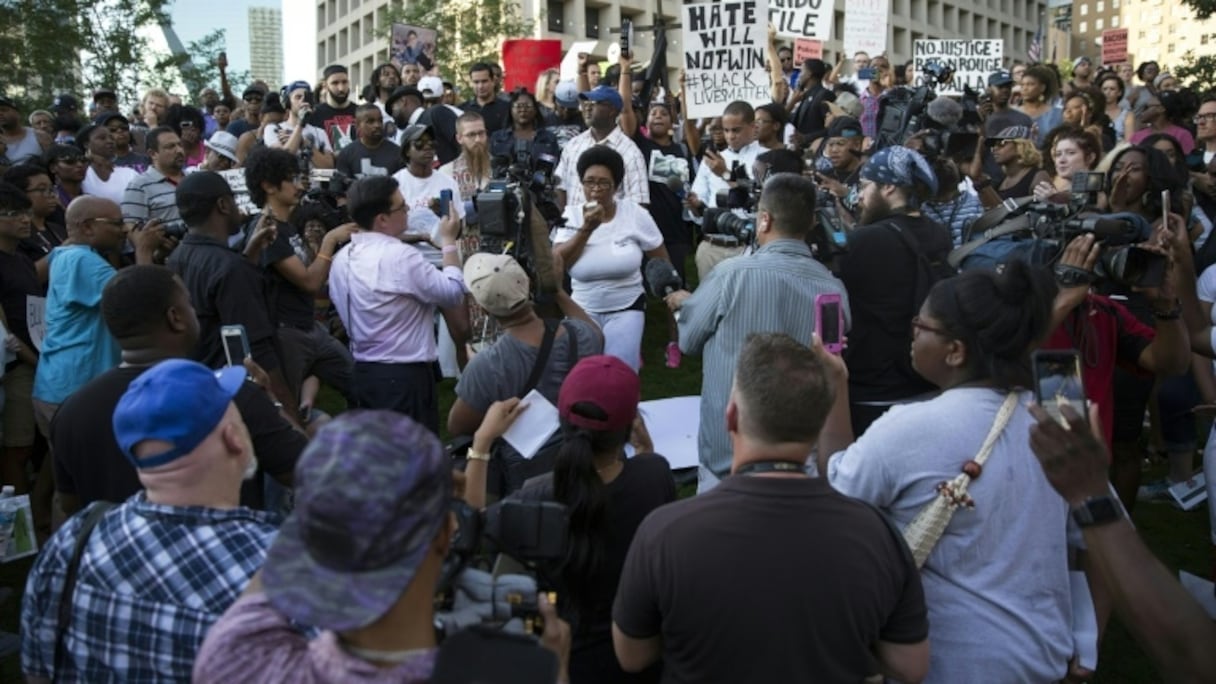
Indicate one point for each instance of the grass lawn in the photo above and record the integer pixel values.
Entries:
(1179, 539)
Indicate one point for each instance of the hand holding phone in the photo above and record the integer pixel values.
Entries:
(236, 344)
(1058, 382)
(829, 321)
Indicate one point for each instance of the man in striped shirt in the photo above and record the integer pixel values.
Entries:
(606, 105)
(152, 195)
(772, 290)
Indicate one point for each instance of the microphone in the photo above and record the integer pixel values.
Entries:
(662, 278)
(945, 112)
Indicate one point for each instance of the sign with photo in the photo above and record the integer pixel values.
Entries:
(413, 45)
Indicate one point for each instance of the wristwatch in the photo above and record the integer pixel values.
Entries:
(1097, 510)
(476, 455)
(725, 175)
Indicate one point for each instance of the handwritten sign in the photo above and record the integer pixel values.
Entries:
(865, 27)
(724, 55)
(972, 61)
(35, 319)
(240, 191)
(807, 48)
(802, 18)
(1114, 46)
(523, 60)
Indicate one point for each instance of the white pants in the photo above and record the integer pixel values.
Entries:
(622, 335)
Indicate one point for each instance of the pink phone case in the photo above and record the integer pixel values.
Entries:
(833, 346)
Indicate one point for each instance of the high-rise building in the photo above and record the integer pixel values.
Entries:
(266, 44)
(351, 32)
(1165, 30)
(1089, 19)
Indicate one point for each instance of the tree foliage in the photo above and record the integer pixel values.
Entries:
(1197, 73)
(468, 31)
(1204, 9)
(76, 46)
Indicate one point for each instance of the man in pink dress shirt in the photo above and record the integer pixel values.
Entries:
(386, 294)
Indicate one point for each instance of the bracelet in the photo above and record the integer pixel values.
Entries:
(1171, 315)
(473, 455)
(325, 257)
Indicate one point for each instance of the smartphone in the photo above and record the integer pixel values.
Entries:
(445, 201)
(1165, 208)
(1058, 381)
(627, 37)
(236, 344)
(867, 74)
(829, 322)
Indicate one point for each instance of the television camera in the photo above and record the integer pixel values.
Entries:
(905, 111)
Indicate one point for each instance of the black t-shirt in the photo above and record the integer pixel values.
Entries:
(494, 113)
(40, 243)
(356, 160)
(769, 580)
(18, 280)
(290, 305)
(645, 483)
(226, 290)
(880, 273)
(667, 164)
(338, 124)
(89, 464)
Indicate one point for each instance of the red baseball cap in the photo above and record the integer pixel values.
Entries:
(607, 382)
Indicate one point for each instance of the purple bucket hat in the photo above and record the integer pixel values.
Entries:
(372, 489)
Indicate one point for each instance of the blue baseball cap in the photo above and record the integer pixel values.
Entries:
(604, 93)
(175, 401)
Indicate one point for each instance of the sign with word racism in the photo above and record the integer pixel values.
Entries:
(803, 18)
(1114, 46)
(865, 27)
(724, 55)
(524, 59)
(807, 48)
(972, 61)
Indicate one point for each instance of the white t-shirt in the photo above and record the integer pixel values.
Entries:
(422, 220)
(112, 189)
(1206, 289)
(312, 136)
(607, 276)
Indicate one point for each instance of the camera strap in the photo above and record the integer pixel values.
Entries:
(546, 348)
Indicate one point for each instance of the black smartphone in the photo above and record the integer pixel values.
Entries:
(236, 344)
(1058, 381)
(627, 37)
(445, 201)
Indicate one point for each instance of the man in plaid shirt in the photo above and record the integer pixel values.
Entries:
(160, 568)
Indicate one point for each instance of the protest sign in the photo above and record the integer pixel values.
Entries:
(724, 55)
(569, 66)
(1114, 46)
(240, 191)
(413, 45)
(802, 18)
(524, 59)
(972, 61)
(807, 48)
(35, 319)
(865, 27)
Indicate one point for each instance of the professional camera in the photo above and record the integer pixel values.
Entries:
(735, 215)
(908, 110)
(1038, 232)
(829, 236)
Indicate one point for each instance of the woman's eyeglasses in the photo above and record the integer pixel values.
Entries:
(603, 183)
(918, 324)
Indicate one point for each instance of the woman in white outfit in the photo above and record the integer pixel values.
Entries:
(602, 245)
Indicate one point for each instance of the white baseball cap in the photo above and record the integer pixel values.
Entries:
(431, 87)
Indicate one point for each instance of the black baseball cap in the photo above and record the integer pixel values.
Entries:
(400, 92)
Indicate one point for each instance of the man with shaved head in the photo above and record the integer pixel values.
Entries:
(160, 568)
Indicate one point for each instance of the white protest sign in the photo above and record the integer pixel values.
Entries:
(724, 55)
(569, 66)
(865, 27)
(240, 191)
(803, 18)
(35, 319)
(972, 61)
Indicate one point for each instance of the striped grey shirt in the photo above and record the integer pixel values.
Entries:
(772, 290)
(150, 196)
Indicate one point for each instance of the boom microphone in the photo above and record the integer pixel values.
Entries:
(662, 278)
(945, 112)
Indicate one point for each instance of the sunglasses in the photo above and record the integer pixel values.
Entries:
(187, 125)
(423, 144)
(253, 98)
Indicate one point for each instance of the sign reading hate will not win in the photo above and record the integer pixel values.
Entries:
(724, 55)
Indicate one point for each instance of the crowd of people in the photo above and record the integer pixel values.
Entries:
(178, 283)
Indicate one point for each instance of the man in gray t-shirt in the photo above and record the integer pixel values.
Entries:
(501, 371)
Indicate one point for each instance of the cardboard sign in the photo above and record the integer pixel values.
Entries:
(972, 60)
(865, 27)
(807, 48)
(413, 45)
(35, 319)
(724, 55)
(1114, 46)
(524, 59)
(803, 18)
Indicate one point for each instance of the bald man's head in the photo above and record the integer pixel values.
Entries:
(86, 207)
(96, 222)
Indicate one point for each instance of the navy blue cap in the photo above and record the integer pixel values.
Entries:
(604, 93)
(175, 401)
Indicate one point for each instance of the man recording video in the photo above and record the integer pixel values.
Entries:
(772, 290)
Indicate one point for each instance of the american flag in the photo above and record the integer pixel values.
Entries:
(1035, 50)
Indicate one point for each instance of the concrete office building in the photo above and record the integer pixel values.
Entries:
(266, 44)
(350, 31)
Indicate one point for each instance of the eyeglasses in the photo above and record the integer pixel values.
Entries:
(16, 213)
(523, 105)
(253, 98)
(1200, 118)
(597, 183)
(423, 144)
(917, 324)
(112, 222)
(473, 134)
(394, 210)
(187, 125)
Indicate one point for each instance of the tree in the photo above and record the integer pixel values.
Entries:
(1197, 73)
(76, 46)
(1204, 9)
(198, 68)
(468, 31)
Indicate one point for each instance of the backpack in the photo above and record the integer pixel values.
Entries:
(928, 271)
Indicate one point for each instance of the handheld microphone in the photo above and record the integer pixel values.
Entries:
(662, 278)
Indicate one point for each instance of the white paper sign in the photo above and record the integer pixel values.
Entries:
(724, 55)
(865, 27)
(9, 355)
(972, 60)
(534, 426)
(240, 191)
(569, 67)
(673, 424)
(803, 18)
(35, 319)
